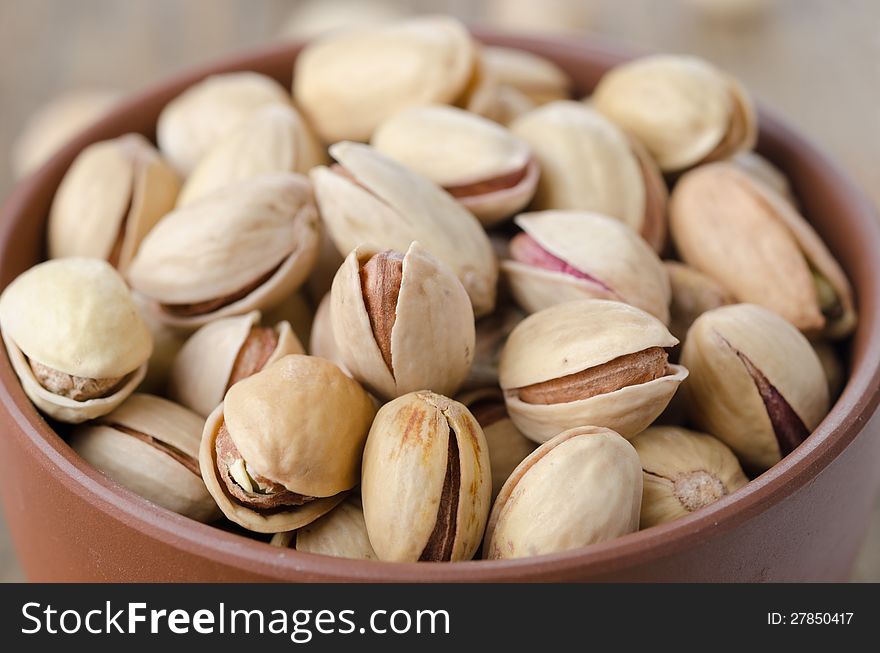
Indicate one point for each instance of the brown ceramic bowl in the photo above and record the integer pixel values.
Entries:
(802, 520)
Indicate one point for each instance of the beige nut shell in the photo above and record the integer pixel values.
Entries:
(601, 247)
(322, 342)
(571, 337)
(120, 184)
(145, 469)
(721, 395)
(201, 371)
(348, 83)
(388, 206)
(404, 468)
(432, 340)
(341, 533)
(538, 79)
(583, 486)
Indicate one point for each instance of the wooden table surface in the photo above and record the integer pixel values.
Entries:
(815, 62)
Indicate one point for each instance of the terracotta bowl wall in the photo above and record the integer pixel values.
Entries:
(803, 519)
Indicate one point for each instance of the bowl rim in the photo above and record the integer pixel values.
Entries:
(842, 424)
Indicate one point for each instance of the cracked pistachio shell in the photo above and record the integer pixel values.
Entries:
(347, 83)
(203, 370)
(160, 463)
(322, 342)
(538, 79)
(683, 471)
(220, 246)
(612, 260)
(589, 164)
(717, 214)
(412, 495)
(554, 343)
(378, 202)
(582, 487)
(113, 194)
(341, 533)
(274, 138)
(76, 316)
(485, 167)
(682, 109)
(432, 337)
(196, 119)
(299, 422)
(693, 293)
(724, 396)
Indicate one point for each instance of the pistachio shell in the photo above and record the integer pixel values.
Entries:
(683, 472)
(693, 293)
(681, 108)
(192, 122)
(274, 138)
(379, 203)
(583, 486)
(484, 166)
(480, 95)
(341, 533)
(147, 468)
(432, 338)
(406, 470)
(218, 246)
(348, 83)
(538, 79)
(322, 343)
(202, 371)
(491, 333)
(112, 195)
(723, 393)
(835, 372)
(717, 212)
(297, 310)
(167, 343)
(613, 261)
(759, 168)
(511, 104)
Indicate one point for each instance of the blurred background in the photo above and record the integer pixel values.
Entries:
(815, 62)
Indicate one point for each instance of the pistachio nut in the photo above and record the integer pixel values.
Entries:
(491, 333)
(112, 195)
(196, 119)
(832, 364)
(538, 79)
(341, 533)
(755, 382)
(322, 342)
(681, 108)
(348, 83)
(693, 293)
(589, 164)
(245, 247)
(150, 446)
(566, 255)
(717, 212)
(224, 352)
(507, 446)
(588, 361)
(683, 471)
(481, 164)
(273, 138)
(759, 168)
(425, 481)
(371, 199)
(581, 487)
(74, 337)
(286, 443)
(402, 322)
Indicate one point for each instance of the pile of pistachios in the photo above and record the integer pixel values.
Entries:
(535, 321)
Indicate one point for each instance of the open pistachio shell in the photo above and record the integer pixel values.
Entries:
(151, 446)
(196, 119)
(223, 352)
(717, 213)
(375, 201)
(341, 533)
(583, 486)
(113, 194)
(402, 322)
(274, 138)
(298, 424)
(683, 472)
(426, 482)
(567, 255)
(755, 382)
(538, 79)
(348, 83)
(681, 108)
(481, 164)
(74, 320)
(246, 247)
(588, 361)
